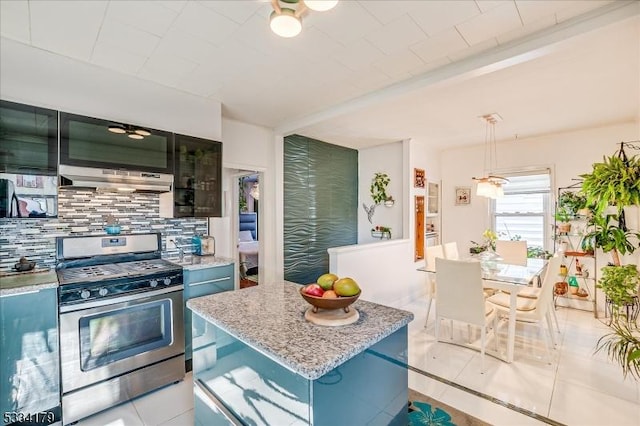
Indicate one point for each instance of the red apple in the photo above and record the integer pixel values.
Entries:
(314, 290)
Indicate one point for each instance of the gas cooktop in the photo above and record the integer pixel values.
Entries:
(114, 271)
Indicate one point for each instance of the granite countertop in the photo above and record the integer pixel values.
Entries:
(199, 262)
(25, 282)
(270, 319)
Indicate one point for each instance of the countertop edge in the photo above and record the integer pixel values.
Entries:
(203, 262)
(29, 288)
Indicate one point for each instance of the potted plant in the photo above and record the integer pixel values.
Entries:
(620, 285)
(606, 234)
(616, 182)
(378, 189)
(570, 205)
(489, 242)
(563, 216)
(572, 202)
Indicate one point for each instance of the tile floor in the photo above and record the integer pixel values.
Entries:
(578, 387)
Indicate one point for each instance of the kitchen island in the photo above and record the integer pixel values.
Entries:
(258, 361)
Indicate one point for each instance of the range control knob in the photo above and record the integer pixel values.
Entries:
(153, 283)
(85, 294)
(167, 281)
(103, 291)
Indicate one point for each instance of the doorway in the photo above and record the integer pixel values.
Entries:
(248, 231)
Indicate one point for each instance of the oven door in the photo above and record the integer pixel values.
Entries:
(107, 338)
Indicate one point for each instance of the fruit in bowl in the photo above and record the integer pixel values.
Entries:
(343, 293)
(326, 281)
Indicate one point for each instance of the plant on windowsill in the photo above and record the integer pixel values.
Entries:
(536, 252)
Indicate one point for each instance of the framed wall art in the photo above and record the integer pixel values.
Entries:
(463, 195)
(418, 178)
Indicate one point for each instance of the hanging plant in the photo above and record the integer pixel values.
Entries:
(614, 182)
(378, 188)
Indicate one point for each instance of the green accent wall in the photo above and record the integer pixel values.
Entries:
(320, 205)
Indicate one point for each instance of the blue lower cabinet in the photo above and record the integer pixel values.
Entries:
(236, 384)
(202, 282)
(29, 358)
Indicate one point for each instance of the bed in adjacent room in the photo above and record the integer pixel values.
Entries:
(248, 245)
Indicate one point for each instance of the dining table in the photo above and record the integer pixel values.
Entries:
(508, 277)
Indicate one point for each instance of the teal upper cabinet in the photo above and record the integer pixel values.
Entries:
(198, 177)
(28, 161)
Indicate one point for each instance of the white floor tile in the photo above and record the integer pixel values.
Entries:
(442, 359)
(523, 386)
(184, 419)
(426, 386)
(121, 415)
(599, 376)
(485, 410)
(166, 403)
(578, 405)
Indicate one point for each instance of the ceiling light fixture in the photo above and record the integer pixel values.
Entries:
(287, 22)
(131, 131)
(490, 185)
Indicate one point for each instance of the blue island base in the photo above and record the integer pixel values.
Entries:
(236, 384)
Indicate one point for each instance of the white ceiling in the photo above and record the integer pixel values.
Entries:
(366, 72)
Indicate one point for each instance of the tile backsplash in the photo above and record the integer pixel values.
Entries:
(83, 212)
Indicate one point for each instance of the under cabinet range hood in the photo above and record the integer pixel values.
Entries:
(115, 180)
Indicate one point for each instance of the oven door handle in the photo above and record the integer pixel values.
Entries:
(124, 298)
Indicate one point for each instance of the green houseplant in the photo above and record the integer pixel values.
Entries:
(571, 202)
(620, 284)
(378, 188)
(616, 182)
(568, 206)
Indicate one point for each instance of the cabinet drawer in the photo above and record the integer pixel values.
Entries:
(207, 274)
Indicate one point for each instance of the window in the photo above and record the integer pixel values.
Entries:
(523, 212)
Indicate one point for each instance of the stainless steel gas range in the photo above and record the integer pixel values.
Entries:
(121, 321)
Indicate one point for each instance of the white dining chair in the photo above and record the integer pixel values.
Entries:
(451, 251)
(460, 298)
(534, 310)
(431, 254)
(512, 252)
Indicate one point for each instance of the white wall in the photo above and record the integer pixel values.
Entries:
(250, 147)
(387, 159)
(568, 155)
(384, 271)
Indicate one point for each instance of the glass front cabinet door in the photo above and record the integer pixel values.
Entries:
(198, 177)
(28, 161)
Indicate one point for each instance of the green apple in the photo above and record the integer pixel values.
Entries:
(346, 287)
(326, 281)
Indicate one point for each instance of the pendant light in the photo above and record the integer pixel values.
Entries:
(490, 185)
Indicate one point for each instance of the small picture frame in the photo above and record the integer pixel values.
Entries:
(463, 195)
(418, 178)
